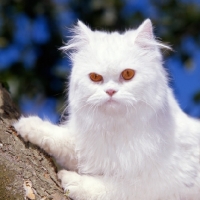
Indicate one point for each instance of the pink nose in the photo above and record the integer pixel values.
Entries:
(110, 92)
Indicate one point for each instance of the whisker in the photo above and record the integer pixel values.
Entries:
(144, 101)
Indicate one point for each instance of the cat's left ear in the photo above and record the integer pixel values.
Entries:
(145, 34)
(145, 37)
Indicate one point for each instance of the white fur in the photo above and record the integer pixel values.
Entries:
(140, 146)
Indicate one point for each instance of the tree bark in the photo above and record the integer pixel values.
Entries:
(26, 172)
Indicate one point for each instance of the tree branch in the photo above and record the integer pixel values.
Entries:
(26, 172)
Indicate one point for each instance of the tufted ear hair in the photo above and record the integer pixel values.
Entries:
(83, 28)
(145, 37)
(81, 35)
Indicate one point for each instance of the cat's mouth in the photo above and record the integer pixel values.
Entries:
(111, 101)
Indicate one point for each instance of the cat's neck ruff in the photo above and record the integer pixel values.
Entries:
(116, 136)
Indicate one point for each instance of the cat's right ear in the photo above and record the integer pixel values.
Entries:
(83, 29)
(80, 36)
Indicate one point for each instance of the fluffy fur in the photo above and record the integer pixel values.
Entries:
(135, 145)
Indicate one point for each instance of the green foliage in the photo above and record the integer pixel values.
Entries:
(5, 85)
(197, 97)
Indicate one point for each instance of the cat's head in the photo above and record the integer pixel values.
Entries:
(116, 72)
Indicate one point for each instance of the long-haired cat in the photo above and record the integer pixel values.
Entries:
(126, 137)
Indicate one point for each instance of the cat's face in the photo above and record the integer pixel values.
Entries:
(113, 72)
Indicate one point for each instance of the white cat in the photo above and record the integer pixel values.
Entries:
(126, 137)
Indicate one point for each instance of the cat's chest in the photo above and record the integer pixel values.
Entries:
(115, 146)
(119, 154)
(103, 152)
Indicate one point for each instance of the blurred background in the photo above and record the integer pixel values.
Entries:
(35, 71)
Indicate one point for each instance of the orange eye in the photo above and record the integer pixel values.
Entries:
(128, 74)
(95, 77)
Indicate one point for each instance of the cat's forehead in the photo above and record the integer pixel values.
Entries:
(111, 41)
(109, 52)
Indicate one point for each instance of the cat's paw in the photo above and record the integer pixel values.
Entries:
(70, 182)
(26, 126)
